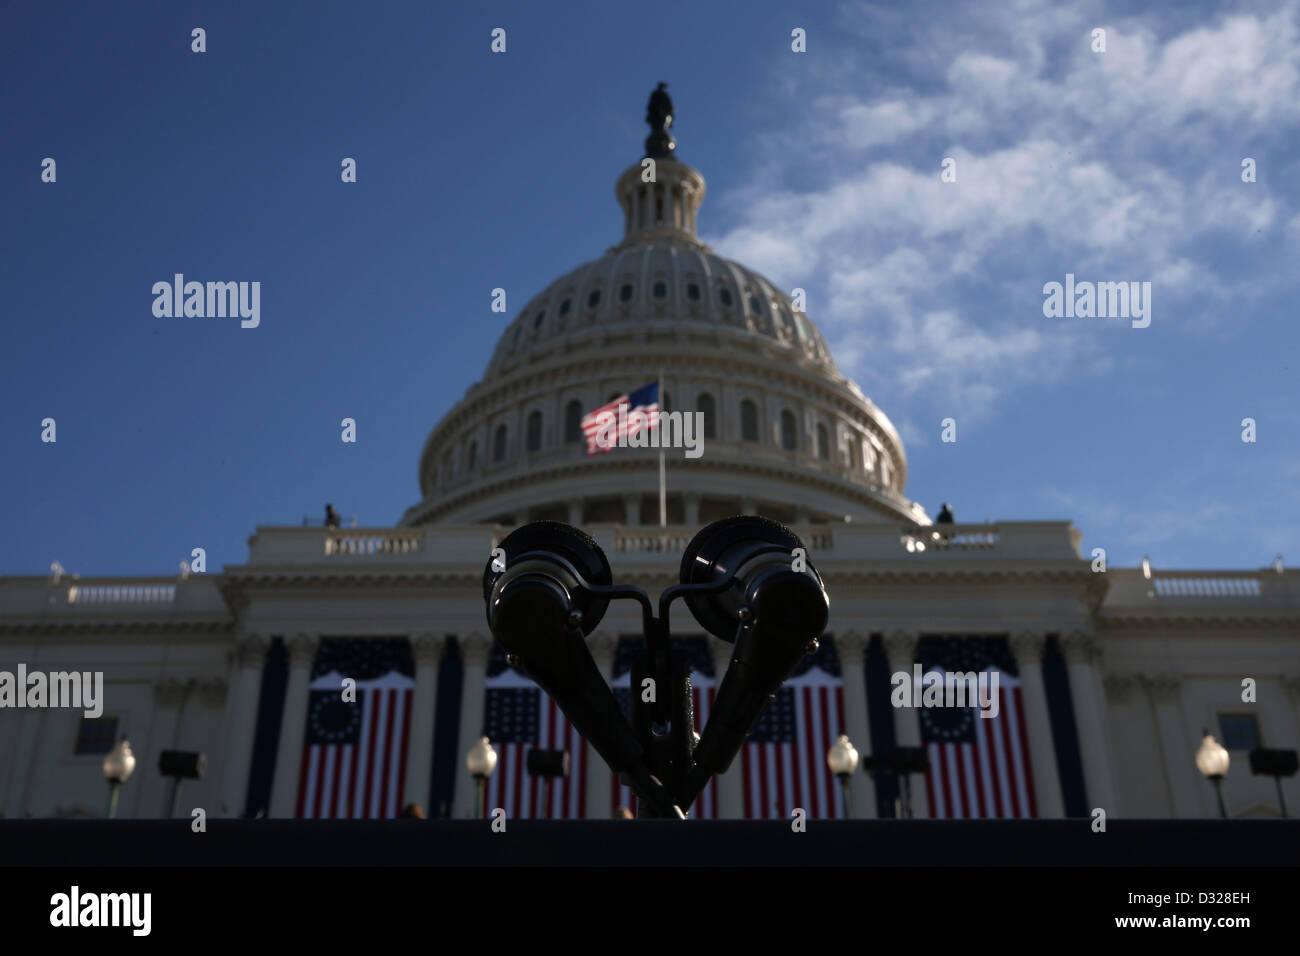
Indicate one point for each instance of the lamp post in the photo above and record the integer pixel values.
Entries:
(482, 761)
(842, 758)
(119, 764)
(1212, 760)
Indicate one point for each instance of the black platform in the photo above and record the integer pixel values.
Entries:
(641, 843)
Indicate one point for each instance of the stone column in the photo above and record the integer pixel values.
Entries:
(1028, 648)
(426, 648)
(900, 651)
(748, 505)
(691, 501)
(293, 725)
(1177, 748)
(19, 776)
(169, 695)
(575, 512)
(1291, 684)
(1081, 652)
(731, 785)
(599, 782)
(851, 646)
(474, 650)
(241, 721)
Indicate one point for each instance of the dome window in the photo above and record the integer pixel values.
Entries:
(499, 444)
(748, 421)
(693, 292)
(593, 300)
(518, 330)
(823, 443)
(706, 407)
(625, 293)
(755, 306)
(564, 307)
(789, 431)
(661, 290)
(535, 431)
(472, 458)
(537, 322)
(573, 421)
(724, 296)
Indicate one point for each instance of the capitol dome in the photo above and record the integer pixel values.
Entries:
(785, 433)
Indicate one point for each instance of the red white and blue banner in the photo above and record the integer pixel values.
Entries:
(354, 755)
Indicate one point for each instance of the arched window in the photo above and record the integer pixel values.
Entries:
(789, 431)
(625, 292)
(535, 431)
(823, 443)
(499, 444)
(660, 290)
(593, 299)
(852, 445)
(748, 421)
(709, 410)
(472, 459)
(573, 421)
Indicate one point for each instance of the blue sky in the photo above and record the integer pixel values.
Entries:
(478, 170)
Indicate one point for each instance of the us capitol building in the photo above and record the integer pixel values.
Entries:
(1110, 676)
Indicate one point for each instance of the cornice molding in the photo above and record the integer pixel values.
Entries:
(117, 624)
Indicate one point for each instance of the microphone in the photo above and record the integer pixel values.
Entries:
(540, 606)
(774, 609)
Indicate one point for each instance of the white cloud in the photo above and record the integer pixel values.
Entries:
(1107, 165)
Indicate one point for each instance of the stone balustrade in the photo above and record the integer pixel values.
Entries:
(121, 593)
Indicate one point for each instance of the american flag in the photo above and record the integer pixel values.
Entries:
(979, 766)
(784, 762)
(521, 716)
(354, 756)
(603, 429)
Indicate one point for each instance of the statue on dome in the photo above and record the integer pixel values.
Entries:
(659, 114)
(659, 111)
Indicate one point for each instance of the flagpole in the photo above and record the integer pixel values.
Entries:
(663, 487)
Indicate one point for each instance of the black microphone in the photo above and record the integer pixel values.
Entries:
(774, 608)
(540, 607)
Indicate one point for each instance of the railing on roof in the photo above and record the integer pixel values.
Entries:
(947, 537)
(121, 593)
(1173, 585)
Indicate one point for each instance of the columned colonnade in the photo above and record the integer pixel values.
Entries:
(900, 646)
